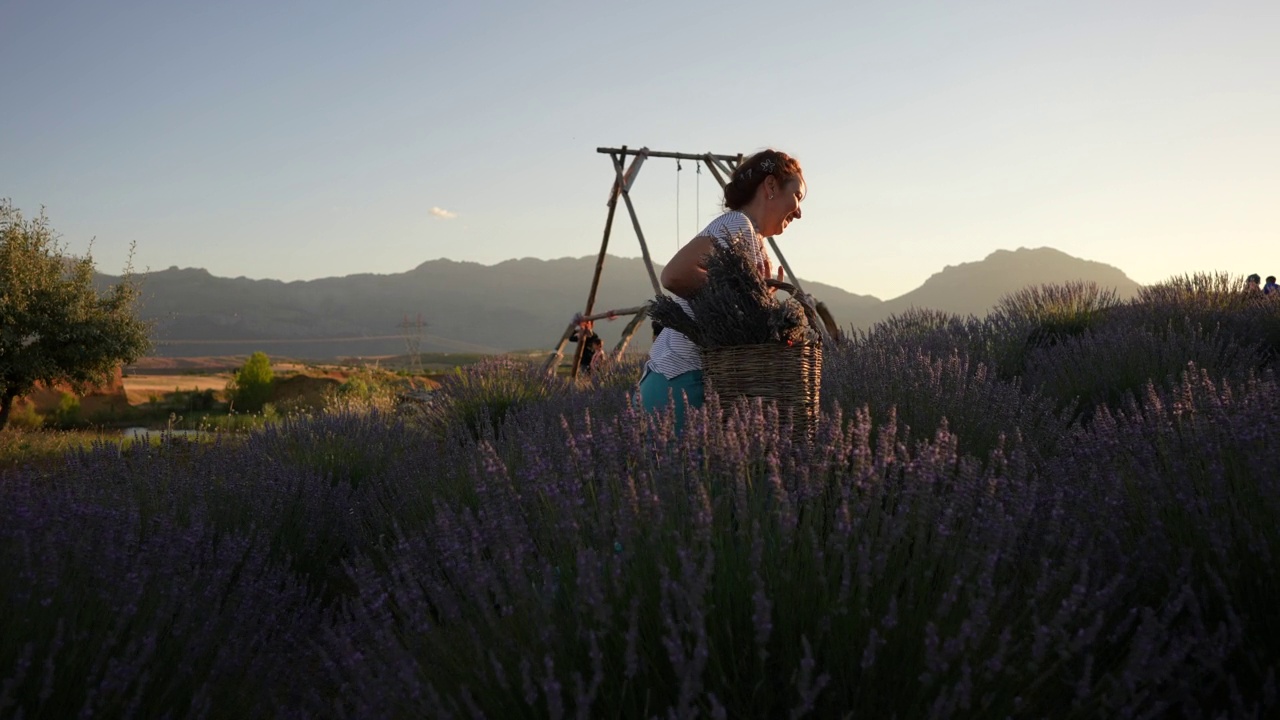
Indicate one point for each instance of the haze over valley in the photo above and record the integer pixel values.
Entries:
(521, 304)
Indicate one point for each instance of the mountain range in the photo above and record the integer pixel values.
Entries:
(525, 304)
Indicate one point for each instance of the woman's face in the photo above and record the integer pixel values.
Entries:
(784, 207)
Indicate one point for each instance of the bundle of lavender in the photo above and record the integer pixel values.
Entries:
(735, 307)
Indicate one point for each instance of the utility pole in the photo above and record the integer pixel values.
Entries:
(413, 332)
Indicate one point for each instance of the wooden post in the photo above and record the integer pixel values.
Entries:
(709, 161)
(627, 332)
(629, 178)
(613, 313)
(558, 353)
(635, 223)
(673, 155)
(724, 166)
(604, 247)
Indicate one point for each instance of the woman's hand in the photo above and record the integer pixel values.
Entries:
(773, 289)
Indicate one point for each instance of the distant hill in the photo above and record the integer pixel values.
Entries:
(975, 287)
(514, 305)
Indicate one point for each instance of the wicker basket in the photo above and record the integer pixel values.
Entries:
(790, 375)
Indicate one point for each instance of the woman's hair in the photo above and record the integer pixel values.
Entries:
(753, 170)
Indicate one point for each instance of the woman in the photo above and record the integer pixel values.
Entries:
(762, 198)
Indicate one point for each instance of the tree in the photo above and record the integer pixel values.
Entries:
(55, 327)
(251, 387)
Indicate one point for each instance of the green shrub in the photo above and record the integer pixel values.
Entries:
(250, 389)
(200, 400)
(356, 387)
(25, 417)
(367, 390)
(67, 415)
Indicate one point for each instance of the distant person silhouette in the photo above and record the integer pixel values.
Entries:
(1251, 283)
(1271, 287)
(593, 353)
(592, 349)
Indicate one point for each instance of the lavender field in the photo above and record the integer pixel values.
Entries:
(1068, 509)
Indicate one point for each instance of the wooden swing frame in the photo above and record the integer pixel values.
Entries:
(721, 167)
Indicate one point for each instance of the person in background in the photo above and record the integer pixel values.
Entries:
(592, 349)
(592, 354)
(762, 198)
(1251, 283)
(1271, 287)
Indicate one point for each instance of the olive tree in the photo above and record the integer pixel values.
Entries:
(55, 327)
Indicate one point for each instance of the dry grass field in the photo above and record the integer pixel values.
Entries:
(161, 384)
(157, 377)
(141, 388)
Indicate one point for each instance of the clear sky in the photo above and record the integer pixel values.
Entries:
(297, 140)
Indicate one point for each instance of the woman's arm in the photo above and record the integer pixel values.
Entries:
(687, 271)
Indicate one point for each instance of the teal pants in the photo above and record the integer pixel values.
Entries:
(656, 391)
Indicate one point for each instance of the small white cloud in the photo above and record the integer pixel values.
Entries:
(443, 214)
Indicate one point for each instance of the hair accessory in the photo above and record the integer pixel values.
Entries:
(767, 165)
(746, 174)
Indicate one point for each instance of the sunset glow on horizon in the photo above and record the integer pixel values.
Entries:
(313, 140)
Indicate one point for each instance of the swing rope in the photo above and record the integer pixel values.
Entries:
(697, 196)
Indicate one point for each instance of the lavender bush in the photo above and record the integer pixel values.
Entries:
(479, 397)
(932, 332)
(1198, 294)
(125, 600)
(947, 546)
(1193, 478)
(906, 384)
(731, 574)
(1104, 366)
(1043, 316)
(1213, 301)
(1057, 309)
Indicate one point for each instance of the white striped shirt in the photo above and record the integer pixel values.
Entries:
(673, 353)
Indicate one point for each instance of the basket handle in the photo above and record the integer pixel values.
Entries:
(807, 302)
